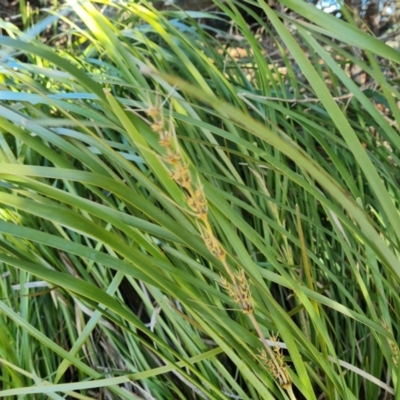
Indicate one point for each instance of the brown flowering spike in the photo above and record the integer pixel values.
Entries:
(245, 295)
(214, 247)
(198, 204)
(229, 290)
(165, 139)
(276, 365)
(182, 176)
(157, 126)
(173, 158)
(247, 307)
(153, 112)
(200, 198)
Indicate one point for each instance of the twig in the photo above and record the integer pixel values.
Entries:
(305, 100)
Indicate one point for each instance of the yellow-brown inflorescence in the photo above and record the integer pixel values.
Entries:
(241, 293)
(196, 200)
(395, 352)
(198, 203)
(276, 365)
(214, 246)
(246, 301)
(165, 139)
(238, 288)
(181, 175)
(394, 347)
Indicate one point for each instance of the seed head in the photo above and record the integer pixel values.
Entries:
(165, 139)
(157, 126)
(246, 301)
(277, 366)
(232, 294)
(198, 203)
(153, 112)
(214, 247)
(173, 158)
(182, 177)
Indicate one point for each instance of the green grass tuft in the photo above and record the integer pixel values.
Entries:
(187, 217)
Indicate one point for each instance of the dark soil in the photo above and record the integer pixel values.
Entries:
(10, 10)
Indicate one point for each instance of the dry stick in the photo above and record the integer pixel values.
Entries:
(305, 100)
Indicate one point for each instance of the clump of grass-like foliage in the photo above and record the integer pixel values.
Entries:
(178, 221)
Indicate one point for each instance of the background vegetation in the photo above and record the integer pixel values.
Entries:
(194, 212)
